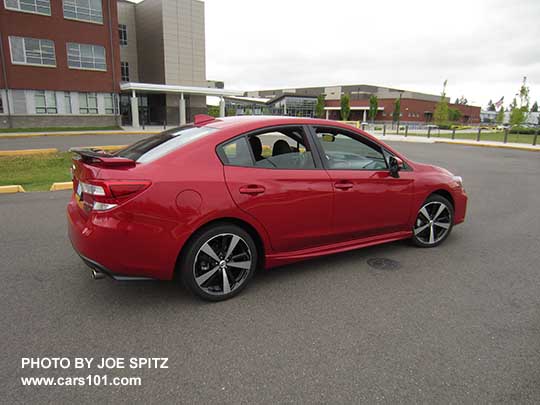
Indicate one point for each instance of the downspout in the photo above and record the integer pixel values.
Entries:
(113, 61)
(10, 124)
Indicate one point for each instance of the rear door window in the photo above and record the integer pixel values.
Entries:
(277, 148)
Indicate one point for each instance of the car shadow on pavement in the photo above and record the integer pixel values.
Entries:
(142, 293)
(331, 263)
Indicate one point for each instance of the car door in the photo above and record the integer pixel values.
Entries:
(368, 201)
(283, 186)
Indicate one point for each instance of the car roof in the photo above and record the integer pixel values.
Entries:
(266, 120)
(229, 127)
(245, 123)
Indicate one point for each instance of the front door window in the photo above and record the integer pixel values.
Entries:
(344, 152)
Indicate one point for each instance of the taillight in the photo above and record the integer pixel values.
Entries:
(106, 195)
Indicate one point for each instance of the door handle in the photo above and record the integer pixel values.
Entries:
(252, 189)
(344, 185)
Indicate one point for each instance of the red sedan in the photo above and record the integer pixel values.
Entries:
(211, 202)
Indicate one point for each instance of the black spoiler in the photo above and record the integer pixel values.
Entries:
(101, 158)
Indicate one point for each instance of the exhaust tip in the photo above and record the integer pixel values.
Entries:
(97, 275)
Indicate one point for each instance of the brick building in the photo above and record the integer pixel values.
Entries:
(102, 62)
(415, 107)
(59, 64)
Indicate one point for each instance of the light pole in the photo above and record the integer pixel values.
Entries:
(471, 112)
(399, 112)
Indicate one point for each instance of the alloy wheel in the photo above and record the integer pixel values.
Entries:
(222, 264)
(432, 223)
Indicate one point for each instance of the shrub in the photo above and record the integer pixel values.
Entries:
(213, 110)
(524, 131)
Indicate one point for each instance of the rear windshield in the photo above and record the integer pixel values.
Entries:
(154, 147)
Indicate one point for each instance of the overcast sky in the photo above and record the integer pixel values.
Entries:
(483, 48)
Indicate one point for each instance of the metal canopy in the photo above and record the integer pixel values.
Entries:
(169, 88)
(353, 108)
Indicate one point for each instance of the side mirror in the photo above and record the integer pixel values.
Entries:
(396, 164)
(328, 138)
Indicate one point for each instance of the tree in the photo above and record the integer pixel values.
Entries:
(517, 116)
(440, 116)
(345, 107)
(500, 116)
(491, 106)
(524, 95)
(397, 110)
(319, 108)
(373, 107)
(518, 113)
(457, 101)
(454, 114)
(534, 107)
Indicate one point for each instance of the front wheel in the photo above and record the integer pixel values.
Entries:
(219, 262)
(434, 222)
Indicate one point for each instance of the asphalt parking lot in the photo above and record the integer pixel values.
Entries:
(63, 143)
(456, 324)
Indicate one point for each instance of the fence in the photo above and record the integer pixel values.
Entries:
(431, 131)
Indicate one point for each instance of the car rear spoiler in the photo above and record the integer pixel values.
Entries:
(102, 158)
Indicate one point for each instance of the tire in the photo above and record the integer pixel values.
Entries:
(207, 260)
(431, 227)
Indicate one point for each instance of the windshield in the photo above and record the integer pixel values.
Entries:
(154, 147)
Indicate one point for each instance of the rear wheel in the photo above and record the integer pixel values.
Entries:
(434, 222)
(219, 262)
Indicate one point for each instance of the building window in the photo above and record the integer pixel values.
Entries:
(111, 104)
(84, 10)
(1, 105)
(67, 102)
(31, 51)
(45, 102)
(29, 6)
(83, 56)
(122, 31)
(124, 69)
(88, 103)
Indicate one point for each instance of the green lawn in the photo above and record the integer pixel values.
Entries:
(58, 129)
(485, 136)
(35, 172)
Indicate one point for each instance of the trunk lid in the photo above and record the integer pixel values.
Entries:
(103, 181)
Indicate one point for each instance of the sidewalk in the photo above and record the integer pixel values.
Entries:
(466, 142)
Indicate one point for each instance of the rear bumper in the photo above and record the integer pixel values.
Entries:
(105, 271)
(120, 245)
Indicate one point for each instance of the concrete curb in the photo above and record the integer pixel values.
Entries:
(14, 135)
(489, 145)
(23, 152)
(68, 185)
(16, 188)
